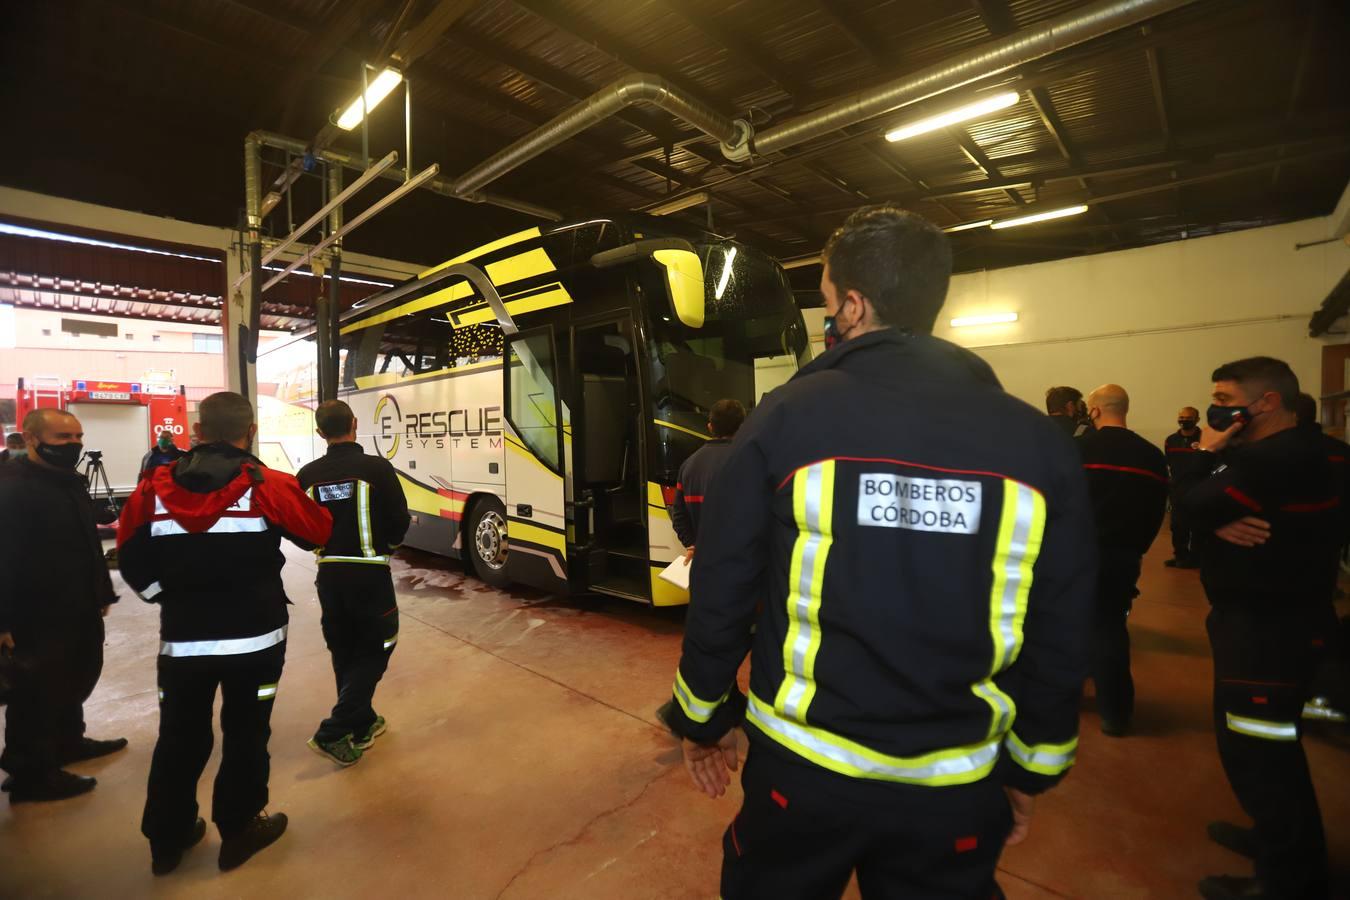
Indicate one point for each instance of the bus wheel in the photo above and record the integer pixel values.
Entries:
(488, 542)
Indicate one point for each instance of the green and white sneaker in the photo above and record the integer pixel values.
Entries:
(377, 729)
(342, 751)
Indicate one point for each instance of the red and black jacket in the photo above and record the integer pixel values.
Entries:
(202, 538)
(696, 477)
(1179, 447)
(923, 548)
(1287, 480)
(1127, 480)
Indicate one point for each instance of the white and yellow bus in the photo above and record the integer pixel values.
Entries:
(538, 394)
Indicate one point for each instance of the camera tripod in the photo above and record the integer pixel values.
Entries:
(100, 489)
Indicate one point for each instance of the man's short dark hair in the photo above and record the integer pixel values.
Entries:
(1056, 398)
(1264, 373)
(726, 418)
(1306, 408)
(334, 418)
(13, 440)
(899, 261)
(224, 416)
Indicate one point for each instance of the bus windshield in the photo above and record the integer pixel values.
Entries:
(752, 340)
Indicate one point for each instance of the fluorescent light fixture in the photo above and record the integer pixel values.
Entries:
(801, 262)
(1041, 217)
(683, 203)
(350, 279)
(376, 91)
(969, 225)
(981, 107)
(991, 319)
(21, 231)
(726, 273)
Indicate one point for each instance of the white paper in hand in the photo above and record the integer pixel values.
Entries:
(677, 573)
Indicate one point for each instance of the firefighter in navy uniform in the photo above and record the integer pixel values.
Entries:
(360, 614)
(201, 537)
(699, 470)
(1127, 479)
(923, 544)
(1178, 446)
(1262, 496)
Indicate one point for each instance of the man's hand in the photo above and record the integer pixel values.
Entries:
(689, 556)
(709, 766)
(1023, 805)
(1214, 441)
(6, 642)
(1245, 532)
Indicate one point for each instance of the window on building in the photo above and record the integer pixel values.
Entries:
(208, 343)
(130, 336)
(154, 339)
(46, 332)
(83, 326)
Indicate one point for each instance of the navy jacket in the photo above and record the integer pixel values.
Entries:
(923, 547)
(696, 478)
(370, 512)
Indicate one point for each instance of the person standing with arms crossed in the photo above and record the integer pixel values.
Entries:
(360, 612)
(201, 537)
(920, 583)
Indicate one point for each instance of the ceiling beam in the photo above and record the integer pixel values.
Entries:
(981, 160)
(1310, 31)
(1159, 85)
(337, 31)
(739, 49)
(847, 23)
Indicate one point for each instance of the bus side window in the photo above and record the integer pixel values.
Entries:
(362, 354)
(531, 402)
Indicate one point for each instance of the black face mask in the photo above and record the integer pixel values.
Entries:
(1222, 418)
(63, 456)
(1187, 424)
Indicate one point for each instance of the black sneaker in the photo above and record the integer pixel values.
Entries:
(164, 858)
(262, 832)
(342, 751)
(56, 785)
(1241, 841)
(1115, 729)
(88, 748)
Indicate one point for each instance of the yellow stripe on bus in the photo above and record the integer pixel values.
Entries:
(547, 300)
(536, 535)
(476, 252)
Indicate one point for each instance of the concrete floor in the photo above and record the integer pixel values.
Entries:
(523, 760)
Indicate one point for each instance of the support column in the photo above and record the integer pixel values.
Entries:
(330, 306)
(244, 314)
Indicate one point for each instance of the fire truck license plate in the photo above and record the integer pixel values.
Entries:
(109, 395)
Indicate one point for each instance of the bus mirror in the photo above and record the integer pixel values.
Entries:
(684, 283)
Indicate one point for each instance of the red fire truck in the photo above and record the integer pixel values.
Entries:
(120, 418)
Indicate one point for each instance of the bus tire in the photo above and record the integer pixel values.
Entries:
(487, 540)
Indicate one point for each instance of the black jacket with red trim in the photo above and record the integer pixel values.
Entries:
(1127, 480)
(696, 477)
(202, 538)
(1285, 479)
(1338, 455)
(911, 530)
(360, 531)
(1179, 446)
(51, 558)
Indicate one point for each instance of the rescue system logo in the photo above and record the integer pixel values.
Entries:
(474, 429)
(919, 504)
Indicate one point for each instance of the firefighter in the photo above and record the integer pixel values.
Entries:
(1177, 446)
(201, 537)
(699, 470)
(1066, 409)
(52, 606)
(164, 452)
(356, 592)
(1127, 479)
(1262, 496)
(15, 448)
(921, 583)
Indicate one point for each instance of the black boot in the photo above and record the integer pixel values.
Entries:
(165, 856)
(1241, 841)
(57, 784)
(261, 832)
(88, 748)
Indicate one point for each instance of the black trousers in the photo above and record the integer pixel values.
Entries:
(1111, 651)
(360, 625)
(187, 686)
(803, 831)
(1264, 663)
(1183, 536)
(56, 670)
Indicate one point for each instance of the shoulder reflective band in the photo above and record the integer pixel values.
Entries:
(960, 765)
(1020, 530)
(813, 510)
(267, 691)
(223, 648)
(1043, 759)
(695, 708)
(151, 591)
(234, 520)
(373, 560)
(391, 642)
(1261, 728)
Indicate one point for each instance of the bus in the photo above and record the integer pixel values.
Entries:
(538, 394)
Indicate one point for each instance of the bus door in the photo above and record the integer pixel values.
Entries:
(609, 458)
(536, 527)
